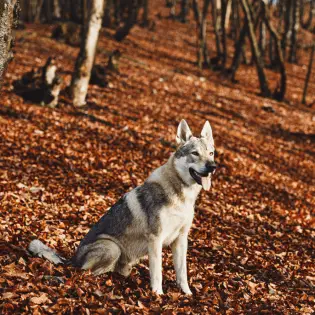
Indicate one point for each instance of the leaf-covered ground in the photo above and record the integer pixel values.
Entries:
(251, 247)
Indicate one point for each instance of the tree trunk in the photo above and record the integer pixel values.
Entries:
(202, 55)
(173, 9)
(287, 25)
(235, 20)
(216, 16)
(278, 94)
(133, 10)
(184, 11)
(228, 11)
(24, 9)
(85, 60)
(256, 54)
(117, 12)
(85, 12)
(295, 28)
(107, 20)
(38, 11)
(48, 6)
(271, 52)
(308, 75)
(56, 11)
(145, 15)
(262, 38)
(225, 5)
(6, 36)
(311, 14)
(239, 44)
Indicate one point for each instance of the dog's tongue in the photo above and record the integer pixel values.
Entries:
(206, 182)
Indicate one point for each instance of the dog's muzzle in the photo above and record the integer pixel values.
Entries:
(210, 167)
(203, 179)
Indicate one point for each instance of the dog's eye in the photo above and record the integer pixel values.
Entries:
(195, 153)
(211, 153)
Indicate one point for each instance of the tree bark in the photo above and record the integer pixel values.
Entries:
(107, 20)
(173, 9)
(202, 55)
(308, 75)
(85, 12)
(239, 44)
(262, 38)
(117, 12)
(145, 15)
(133, 10)
(287, 25)
(56, 11)
(38, 11)
(85, 60)
(228, 12)
(48, 6)
(184, 11)
(295, 28)
(311, 14)
(216, 16)
(278, 94)
(256, 54)
(225, 5)
(6, 35)
(235, 20)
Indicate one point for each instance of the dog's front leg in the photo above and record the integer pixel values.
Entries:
(155, 262)
(179, 250)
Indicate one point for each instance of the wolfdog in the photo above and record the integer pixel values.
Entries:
(156, 214)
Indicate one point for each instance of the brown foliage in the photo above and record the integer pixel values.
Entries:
(251, 248)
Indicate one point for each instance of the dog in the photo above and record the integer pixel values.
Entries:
(156, 214)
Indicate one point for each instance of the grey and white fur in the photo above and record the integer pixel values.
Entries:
(151, 216)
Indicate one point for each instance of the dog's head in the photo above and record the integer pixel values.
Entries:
(194, 157)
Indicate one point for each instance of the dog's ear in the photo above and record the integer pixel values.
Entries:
(183, 132)
(207, 133)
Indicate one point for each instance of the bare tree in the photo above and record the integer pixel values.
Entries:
(145, 14)
(262, 38)
(308, 75)
(85, 60)
(184, 11)
(38, 8)
(235, 20)
(225, 17)
(133, 10)
(6, 37)
(255, 49)
(57, 10)
(200, 16)
(287, 24)
(311, 14)
(295, 28)
(239, 44)
(216, 17)
(278, 93)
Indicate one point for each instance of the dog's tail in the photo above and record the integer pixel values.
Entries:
(39, 249)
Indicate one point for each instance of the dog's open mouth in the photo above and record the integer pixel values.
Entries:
(202, 179)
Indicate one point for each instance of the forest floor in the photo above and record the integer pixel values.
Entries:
(251, 246)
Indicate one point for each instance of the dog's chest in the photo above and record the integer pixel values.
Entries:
(177, 216)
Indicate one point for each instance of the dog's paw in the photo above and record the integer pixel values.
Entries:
(187, 291)
(184, 287)
(158, 291)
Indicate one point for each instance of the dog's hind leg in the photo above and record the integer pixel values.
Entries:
(101, 256)
(123, 268)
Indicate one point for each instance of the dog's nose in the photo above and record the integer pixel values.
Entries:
(211, 167)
